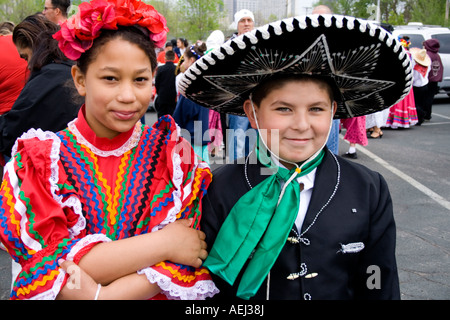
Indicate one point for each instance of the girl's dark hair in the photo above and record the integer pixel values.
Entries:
(276, 82)
(135, 35)
(36, 32)
(26, 32)
(45, 51)
(196, 51)
(185, 42)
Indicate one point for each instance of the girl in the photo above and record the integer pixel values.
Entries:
(295, 221)
(114, 202)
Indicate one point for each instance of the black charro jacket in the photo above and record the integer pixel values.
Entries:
(329, 262)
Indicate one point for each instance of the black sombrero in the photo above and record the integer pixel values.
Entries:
(368, 65)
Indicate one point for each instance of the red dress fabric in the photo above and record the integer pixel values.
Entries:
(13, 73)
(64, 193)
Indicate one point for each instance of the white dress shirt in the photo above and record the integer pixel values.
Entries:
(305, 195)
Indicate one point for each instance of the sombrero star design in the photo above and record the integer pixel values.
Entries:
(368, 65)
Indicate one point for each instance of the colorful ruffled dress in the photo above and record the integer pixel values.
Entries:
(65, 192)
(404, 113)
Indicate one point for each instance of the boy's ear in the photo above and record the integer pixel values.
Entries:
(334, 108)
(79, 80)
(248, 109)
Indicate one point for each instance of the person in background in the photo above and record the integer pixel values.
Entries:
(13, 72)
(434, 76)
(355, 134)
(13, 69)
(166, 99)
(48, 100)
(421, 68)
(56, 10)
(240, 128)
(190, 116)
(6, 28)
(403, 114)
(162, 55)
(182, 45)
(214, 41)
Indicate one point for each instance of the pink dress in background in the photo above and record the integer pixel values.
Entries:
(356, 130)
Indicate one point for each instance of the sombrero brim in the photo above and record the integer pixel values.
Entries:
(368, 65)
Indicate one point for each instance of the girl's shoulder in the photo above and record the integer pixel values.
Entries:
(36, 151)
(35, 140)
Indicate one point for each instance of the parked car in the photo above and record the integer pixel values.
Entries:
(418, 33)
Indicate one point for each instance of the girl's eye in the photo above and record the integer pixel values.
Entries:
(142, 79)
(110, 78)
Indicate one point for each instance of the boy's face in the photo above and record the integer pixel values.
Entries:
(301, 113)
(117, 87)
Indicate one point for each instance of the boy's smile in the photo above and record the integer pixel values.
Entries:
(297, 117)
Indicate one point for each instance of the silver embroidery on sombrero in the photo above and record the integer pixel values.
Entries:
(349, 69)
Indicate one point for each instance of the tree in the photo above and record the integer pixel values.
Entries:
(198, 18)
(17, 10)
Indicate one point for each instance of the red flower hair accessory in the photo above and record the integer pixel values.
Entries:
(78, 33)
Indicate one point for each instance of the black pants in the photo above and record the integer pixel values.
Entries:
(164, 107)
(420, 97)
(432, 90)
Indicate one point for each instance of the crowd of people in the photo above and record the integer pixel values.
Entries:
(411, 111)
(136, 210)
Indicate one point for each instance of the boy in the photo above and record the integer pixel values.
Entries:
(318, 226)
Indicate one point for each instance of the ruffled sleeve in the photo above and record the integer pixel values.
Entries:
(190, 178)
(40, 217)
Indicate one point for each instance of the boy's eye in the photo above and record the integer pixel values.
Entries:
(317, 109)
(283, 109)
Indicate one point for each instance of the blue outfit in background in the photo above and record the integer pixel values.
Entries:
(194, 119)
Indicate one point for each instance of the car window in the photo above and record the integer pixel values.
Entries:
(444, 41)
(416, 39)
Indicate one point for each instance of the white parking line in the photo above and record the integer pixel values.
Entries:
(416, 184)
(440, 115)
(434, 123)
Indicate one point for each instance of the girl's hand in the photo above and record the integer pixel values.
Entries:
(185, 245)
(79, 286)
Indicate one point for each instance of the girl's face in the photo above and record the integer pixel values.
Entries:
(187, 62)
(117, 87)
(297, 118)
(25, 53)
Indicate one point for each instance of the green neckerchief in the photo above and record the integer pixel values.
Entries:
(257, 225)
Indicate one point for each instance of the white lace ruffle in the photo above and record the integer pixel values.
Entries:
(200, 291)
(127, 146)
